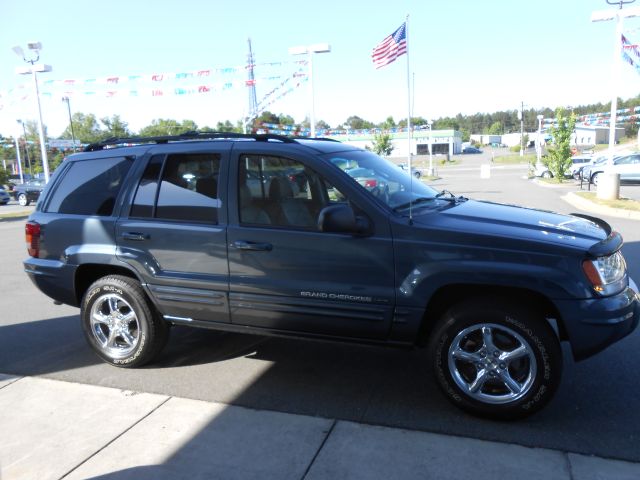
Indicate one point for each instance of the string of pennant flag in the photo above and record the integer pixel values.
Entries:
(157, 84)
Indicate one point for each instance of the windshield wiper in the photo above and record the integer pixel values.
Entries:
(415, 201)
(447, 195)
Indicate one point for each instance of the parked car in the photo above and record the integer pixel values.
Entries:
(29, 192)
(490, 290)
(627, 166)
(466, 150)
(577, 163)
(4, 197)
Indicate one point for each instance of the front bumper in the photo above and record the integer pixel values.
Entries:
(594, 324)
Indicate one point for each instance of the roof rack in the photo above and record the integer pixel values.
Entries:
(259, 137)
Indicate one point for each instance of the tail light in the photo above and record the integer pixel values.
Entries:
(370, 183)
(32, 237)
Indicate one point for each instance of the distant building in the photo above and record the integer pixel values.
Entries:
(447, 142)
(486, 139)
(594, 135)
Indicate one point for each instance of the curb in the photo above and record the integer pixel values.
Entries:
(584, 204)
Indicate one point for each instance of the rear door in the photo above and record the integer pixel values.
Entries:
(174, 234)
(287, 275)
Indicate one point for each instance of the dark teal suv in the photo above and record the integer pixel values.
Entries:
(271, 235)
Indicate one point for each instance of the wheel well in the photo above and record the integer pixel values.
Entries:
(89, 273)
(449, 295)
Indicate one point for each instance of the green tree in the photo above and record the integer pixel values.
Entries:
(356, 123)
(559, 155)
(227, 126)
(382, 144)
(495, 129)
(85, 128)
(163, 127)
(115, 127)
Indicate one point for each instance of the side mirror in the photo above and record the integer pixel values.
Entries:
(341, 218)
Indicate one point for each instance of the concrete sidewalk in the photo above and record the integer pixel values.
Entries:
(52, 430)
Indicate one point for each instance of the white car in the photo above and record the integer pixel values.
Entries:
(577, 163)
(628, 166)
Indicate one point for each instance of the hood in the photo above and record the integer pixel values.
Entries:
(514, 222)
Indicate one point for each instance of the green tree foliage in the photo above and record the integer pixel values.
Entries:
(356, 123)
(495, 129)
(85, 128)
(227, 126)
(559, 155)
(115, 127)
(382, 144)
(161, 127)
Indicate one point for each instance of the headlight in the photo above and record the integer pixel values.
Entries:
(606, 274)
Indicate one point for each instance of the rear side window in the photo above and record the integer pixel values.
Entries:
(184, 188)
(90, 187)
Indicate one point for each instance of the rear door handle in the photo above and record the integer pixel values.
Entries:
(245, 245)
(135, 236)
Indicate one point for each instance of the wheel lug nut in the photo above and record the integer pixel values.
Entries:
(496, 354)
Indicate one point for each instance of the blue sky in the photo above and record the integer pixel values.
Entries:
(465, 57)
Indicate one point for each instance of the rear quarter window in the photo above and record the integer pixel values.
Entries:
(90, 187)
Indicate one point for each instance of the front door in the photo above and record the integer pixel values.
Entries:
(287, 275)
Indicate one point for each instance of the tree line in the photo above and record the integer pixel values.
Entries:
(87, 128)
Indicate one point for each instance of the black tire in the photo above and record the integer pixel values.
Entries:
(417, 174)
(120, 324)
(495, 359)
(23, 200)
(547, 174)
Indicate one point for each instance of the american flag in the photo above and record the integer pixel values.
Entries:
(391, 47)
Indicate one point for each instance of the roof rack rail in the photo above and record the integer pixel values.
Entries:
(192, 135)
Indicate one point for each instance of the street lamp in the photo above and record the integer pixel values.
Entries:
(310, 50)
(26, 148)
(73, 137)
(36, 47)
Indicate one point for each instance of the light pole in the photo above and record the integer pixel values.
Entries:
(26, 148)
(73, 137)
(19, 160)
(36, 47)
(309, 50)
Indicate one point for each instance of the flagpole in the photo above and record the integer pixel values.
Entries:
(409, 115)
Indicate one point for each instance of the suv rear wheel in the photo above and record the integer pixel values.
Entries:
(496, 359)
(120, 324)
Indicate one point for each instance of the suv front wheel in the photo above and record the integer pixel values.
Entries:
(496, 359)
(120, 324)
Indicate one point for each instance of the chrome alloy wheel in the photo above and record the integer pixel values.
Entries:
(114, 325)
(492, 363)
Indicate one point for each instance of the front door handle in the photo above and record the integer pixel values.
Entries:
(255, 246)
(135, 236)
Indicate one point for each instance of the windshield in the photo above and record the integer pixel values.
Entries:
(381, 178)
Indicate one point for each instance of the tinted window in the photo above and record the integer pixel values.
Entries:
(146, 193)
(189, 188)
(90, 187)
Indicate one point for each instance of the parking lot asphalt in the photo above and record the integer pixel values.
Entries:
(53, 429)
